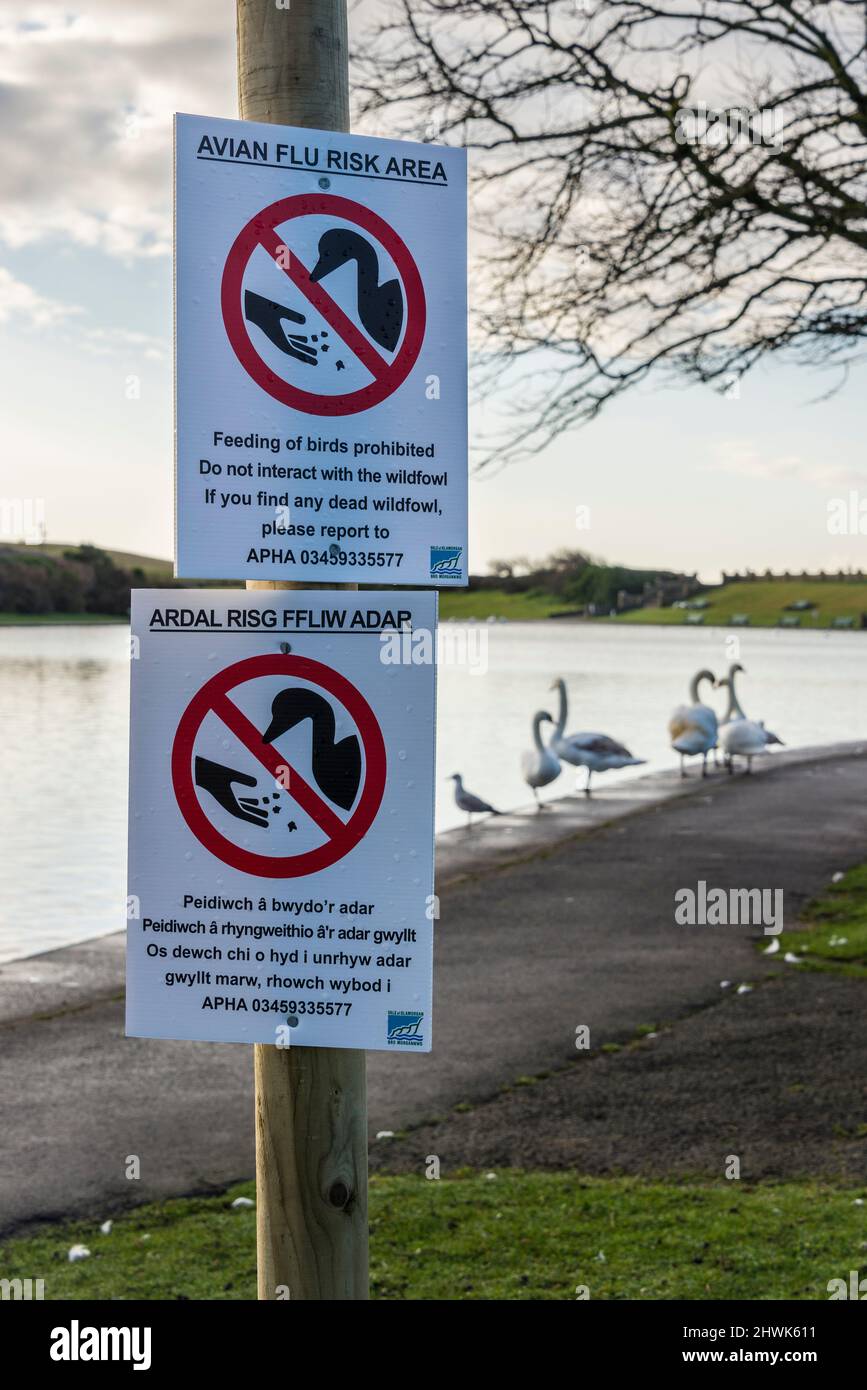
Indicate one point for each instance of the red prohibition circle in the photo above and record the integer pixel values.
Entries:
(260, 231)
(346, 834)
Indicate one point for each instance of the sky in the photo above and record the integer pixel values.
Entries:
(683, 479)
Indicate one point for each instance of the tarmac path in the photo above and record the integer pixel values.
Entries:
(548, 921)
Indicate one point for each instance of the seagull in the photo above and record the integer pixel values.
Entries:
(693, 727)
(466, 801)
(596, 752)
(741, 737)
(540, 766)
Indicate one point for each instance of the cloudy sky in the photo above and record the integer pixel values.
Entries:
(683, 479)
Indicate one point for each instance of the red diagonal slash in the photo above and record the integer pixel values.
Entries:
(321, 300)
(301, 791)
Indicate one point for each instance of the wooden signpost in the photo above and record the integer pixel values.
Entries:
(311, 1102)
(293, 741)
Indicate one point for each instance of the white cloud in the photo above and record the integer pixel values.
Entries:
(747, 460)
(86, 102)
(23, 304)
(106, 342)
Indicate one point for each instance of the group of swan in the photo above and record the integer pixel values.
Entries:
(695, 730)
(596, 752)
(542, 764)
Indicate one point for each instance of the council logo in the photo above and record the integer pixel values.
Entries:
(404, 1028)
(445, 561)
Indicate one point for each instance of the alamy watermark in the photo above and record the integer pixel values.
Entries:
(22, 1289)
(847, 516)
(720, 907)
(22, 519)
(456, 645)
(856, 1288)
(733, 125)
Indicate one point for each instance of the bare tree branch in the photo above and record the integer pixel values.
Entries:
(620, 227)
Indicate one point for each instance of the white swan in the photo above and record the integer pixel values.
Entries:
(693, 728)
(741, 737)
(539, 766)
(467, 801)
(596, 752)
(734, 710)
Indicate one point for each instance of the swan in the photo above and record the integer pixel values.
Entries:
(734, 710)
(466, 801)
(739, 736)
(336, 766)
(693, 727)
(540, 766)
(596, 752)
(380, 306)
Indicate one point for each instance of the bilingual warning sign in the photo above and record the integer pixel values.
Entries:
(321, 361)
(281, 817)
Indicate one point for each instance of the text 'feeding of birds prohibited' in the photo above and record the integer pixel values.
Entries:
(334, 325)
(237, 762)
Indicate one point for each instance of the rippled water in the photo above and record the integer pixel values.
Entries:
(64, 697)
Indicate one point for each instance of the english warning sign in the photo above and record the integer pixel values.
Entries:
(321, 358)
(281, 817)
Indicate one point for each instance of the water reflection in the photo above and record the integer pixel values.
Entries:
(64, 711)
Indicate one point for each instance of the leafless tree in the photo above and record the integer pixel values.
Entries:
(676, 188)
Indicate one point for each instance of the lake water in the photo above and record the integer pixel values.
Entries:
(64, 698)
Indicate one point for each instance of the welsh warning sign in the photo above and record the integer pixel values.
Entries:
(281, 817)
(321, 359)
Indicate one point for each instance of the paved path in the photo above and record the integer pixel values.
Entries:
(548, 921)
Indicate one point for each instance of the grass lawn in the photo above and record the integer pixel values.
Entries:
(765, 601)
(52, 619)
(496, 603)
(835, 938)
(518, 1236)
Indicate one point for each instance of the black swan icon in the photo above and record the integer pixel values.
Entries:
(336, 766)
(380, 306)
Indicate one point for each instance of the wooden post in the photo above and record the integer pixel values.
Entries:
(311, 1102)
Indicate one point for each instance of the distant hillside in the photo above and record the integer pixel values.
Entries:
(63, 583)
(768, 603)
(123, 559)
(58, 583)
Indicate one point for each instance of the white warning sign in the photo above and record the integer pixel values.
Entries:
(321, 359)
(281, 817)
